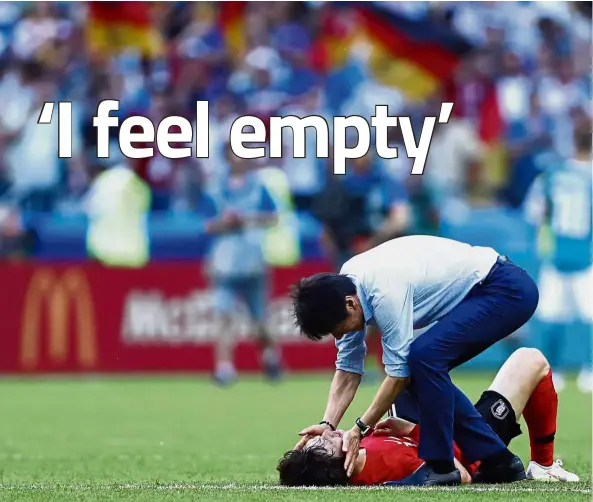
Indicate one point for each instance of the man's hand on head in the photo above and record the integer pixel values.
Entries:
(309, 433)
(351, 446)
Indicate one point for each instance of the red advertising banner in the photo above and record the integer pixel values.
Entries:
(87, 318)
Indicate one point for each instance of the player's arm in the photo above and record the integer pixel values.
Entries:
(536, 208)
(217, 220)
(398, 218)
(267, 213)
(393, 314)
(389, 390)
(538, 211)
(394, 426)
(394, 317)
(394, 224)
(341, 393)
(349, 370)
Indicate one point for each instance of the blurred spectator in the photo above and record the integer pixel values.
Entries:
(306, 176)
(561, 94)
(38, 30)
(244, 207)
(16, 239)
(33, 169)
(455, 151)
(363, 209)
(159, 171)
(560, 205)
(517, 95)
(222, 115)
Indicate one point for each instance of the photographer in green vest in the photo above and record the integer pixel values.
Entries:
(117, 206)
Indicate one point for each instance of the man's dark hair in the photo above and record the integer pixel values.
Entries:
(312, 467)
(319, 303)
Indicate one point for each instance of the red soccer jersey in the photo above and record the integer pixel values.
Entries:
(388, 458)
(393, 458)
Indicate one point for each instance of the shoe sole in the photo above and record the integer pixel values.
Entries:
(436, 483)
(550, 480)
(519, 476)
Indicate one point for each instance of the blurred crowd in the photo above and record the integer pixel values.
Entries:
(533, 58)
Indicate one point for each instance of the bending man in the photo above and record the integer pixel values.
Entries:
(478, 298)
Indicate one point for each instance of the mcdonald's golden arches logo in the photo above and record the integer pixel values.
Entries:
(57, 295)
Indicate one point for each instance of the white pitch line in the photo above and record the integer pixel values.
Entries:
(542, 488)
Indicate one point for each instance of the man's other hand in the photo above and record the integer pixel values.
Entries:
(309, 433)
(387, 427)
(393, 426)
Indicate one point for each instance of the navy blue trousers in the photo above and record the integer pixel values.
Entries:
(494, 309)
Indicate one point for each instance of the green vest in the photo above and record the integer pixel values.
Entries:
(118, 204)
(281, 246)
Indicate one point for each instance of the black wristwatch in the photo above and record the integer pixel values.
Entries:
(364, 428)
(325, 422)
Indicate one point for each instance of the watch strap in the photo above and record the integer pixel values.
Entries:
(364, 428)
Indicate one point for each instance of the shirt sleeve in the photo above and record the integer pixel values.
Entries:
(393, 312)
(352, 350)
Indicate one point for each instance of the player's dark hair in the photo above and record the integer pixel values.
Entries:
(312, 467)
(319, 303)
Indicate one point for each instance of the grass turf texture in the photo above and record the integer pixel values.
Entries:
(184, 439)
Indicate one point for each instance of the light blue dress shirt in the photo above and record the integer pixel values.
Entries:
(406, 284)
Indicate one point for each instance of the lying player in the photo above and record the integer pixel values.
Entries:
(523, 386)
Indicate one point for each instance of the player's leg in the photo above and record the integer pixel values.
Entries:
(554, 311)
(493, 310)
(519, 376)
(254, 293)
(224, 304)
(524, 385)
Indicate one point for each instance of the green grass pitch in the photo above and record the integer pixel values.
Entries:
(184, 439)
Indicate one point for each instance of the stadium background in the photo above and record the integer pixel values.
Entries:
(517, 72)
(507, 66)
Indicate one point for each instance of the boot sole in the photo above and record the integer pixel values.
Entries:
(519, 476)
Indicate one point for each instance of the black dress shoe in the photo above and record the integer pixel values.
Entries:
(425, 476)
(504, 472)
(450, 479)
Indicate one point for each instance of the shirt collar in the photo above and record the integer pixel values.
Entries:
(363, 297)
